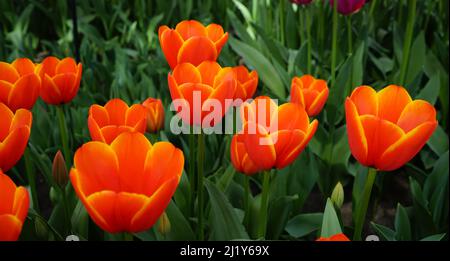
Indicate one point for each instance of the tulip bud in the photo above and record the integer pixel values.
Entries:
(41, 228)
(337, 196)
(155, 114)
(59, 170)
(164, 224)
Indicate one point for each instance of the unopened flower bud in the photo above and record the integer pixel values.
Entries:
(337, 196)
(59, 170)
(164, 224)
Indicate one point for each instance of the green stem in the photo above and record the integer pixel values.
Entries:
(349, 34)
(246, 199)
(334, 44)
(320, 34)
(200, 160)
(31, 179)
(301, 26)
(364, 203)
(282, 22)
(68, 222)
(264, 205)
(408, 40)
(63, 133)
(192, 176)
(308, 35)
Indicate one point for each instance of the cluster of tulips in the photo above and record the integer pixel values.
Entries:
(125, 182)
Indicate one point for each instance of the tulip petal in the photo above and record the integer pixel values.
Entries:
(356, 137)
(23, 66)
(391, 102)
(101, 207)
(21, 118)
(99, 115)
(95, 175)
(10, 227)
(65, 83)
(117, 110)
(66, 65)
(21, 203)
(404, 149)
(380, 135)
(127, 205)
(25, 92)
(135, 115)
(7, 192)
(209, 70)
(50, 92)
(13, 147)
(8, 73)
(163, 163)
(48, 66)
(215, 32)
(5, 88)
(171, 43)
(297, 92)
(259, 146)
(287, 146)
(154, 206)
(196, 50)
(131, 150)
(318, 103)
(365, 99)
(186, 73)
(191, 28)
(416, 113)
(95, 130)
(291, 116)
(6, 115)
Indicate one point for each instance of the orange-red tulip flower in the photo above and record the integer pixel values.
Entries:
(309, 92)
(239, 156)
(14, 134)
(246, 83)
(60, 79)
(197, 88)
(337, 237)
(275, 136)
(129, 183)
(106, 123)
(155, 114)
(191, 42)
(13, 208)
(19, 85)
(387, 129)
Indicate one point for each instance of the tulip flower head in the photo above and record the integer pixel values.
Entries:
(19, 84)
(14, 133)
(155, 114)
(387, 129)
(246, 83)
(14, 206)
(348, 7)
(199, 93)
(310, 93)
(129, 184)
(337, 237)
(60, 79)
(191, 42)
(272, 136)
(107, 122)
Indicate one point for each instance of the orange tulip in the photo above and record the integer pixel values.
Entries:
(191, 42)
(309, 92)
(209, 81)
(19, 85)
(246, 83)
(274, 136)
(387, 129)
(14, 206)
(337, 237)
(106, 123)
(155, 114)
(60, 79)
(130, 182)
(239, 156)
(14, 134)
